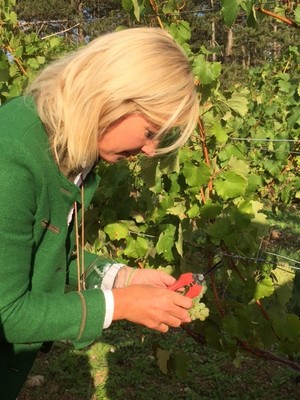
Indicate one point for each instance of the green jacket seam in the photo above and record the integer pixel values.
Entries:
(84, 314)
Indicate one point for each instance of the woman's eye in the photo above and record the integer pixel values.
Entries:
(150, 135)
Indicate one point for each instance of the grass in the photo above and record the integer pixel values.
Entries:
(124, 365)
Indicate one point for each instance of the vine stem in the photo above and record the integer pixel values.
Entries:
(59, 33)
(266, 355)
(262, 309)
(155, 9)
(203, 141)
(16, 59)
(257, 302)
(216, 295)
(202, 195)
(206, 155)
(279, 17)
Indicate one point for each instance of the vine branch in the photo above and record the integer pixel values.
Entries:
(15, 59)
(206, 155)
(155, 9)
(281, 18)
(59, 33)
(243, 345)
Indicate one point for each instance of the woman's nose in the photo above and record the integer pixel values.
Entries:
(150, 148)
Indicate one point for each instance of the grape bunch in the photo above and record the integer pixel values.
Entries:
(199, 310)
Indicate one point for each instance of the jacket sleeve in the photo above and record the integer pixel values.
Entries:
(99, 272)
(29, 310)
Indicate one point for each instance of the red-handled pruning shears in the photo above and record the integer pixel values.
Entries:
(193, 283)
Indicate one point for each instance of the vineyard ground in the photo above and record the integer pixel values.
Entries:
(124, 366)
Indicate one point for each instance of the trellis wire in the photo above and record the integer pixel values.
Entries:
(266, 140)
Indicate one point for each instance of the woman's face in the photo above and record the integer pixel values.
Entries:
(130, 136)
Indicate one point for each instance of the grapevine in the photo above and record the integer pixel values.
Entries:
(213, 196)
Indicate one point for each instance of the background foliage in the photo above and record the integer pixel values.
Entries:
(211, 201)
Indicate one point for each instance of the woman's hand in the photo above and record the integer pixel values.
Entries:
(156, 308)
(129, 276)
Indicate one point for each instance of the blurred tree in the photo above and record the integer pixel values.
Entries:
(238, 48)
(79, 20)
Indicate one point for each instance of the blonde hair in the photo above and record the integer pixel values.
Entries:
(139, 70)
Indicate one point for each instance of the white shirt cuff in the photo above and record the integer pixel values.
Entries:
(109, 308)
(110, 273)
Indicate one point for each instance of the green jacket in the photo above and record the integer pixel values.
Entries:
(36, 244)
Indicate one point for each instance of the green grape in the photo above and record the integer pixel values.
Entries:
(199, 310)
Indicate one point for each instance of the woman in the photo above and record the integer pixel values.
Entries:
(116, 97)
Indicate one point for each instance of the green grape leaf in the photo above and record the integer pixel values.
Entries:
(230, 150)
(287, 326)
(294, 118)
(265, 332)
(297, 14)
(127, 5)
(272, 166)
(178, 209)
(254, 182)
(166, 242)
(230, 9)
(41, 59)
(54, 42)
(179, 363)
(219, 132)
(168, 269)
(219, 230)
(283, 279)
(230, 185)
(150, 175)
(196, 176)
(136, 248)
(246, 208)
(165, 202)
(233, 327)
(180, 31)
(239, 166)
(194, 211)
(4, 75)
(162, 358)
(206, 71)
(238, 102)
(175, 187)
(259, 218)
(137, 9)
(264, 288)
(136, 5)
(33, 63)
(169, 163)
(284, 83)
(11, 17)
(116, 231)
(211, 210)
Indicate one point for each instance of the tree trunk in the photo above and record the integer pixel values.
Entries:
(80, 19)
(276, 45)
(246, 58)
(229, 45)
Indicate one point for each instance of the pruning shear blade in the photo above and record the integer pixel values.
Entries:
(192, 282)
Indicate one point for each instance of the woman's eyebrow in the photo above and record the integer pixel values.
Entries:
(154, 127)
